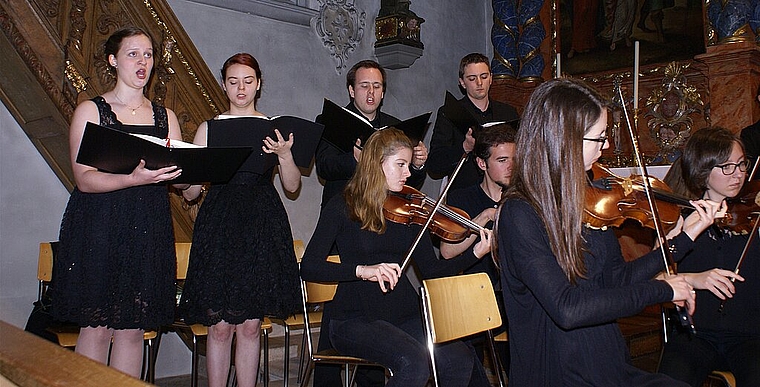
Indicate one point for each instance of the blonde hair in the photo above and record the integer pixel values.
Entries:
(367, 190)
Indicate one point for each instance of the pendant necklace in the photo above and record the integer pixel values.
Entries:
(134, 110)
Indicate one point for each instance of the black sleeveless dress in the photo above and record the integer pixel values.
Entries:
(242, 264)
(116, 265)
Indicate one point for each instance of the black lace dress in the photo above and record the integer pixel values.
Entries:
(242, 264)
(116, 265)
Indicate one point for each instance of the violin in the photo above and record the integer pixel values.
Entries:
(410, 206)
(611, 199)
(742, 209)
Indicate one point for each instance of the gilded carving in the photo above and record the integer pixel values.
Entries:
(75, 78)
(386, 28)
(168, 44)
(669, 107)
(341, 27)
(396, 23)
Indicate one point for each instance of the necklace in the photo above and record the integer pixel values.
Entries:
(134, 110)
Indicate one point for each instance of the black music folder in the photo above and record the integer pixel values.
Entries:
(461, 117)
(114, 151)
(250, 131)
(343, 127)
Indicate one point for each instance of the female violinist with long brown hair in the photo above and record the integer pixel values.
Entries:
(376, 311)
(713, 166)
(565, 284)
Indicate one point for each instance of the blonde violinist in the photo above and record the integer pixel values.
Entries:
(376, 311)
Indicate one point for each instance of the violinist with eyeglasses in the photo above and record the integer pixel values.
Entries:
(565, 283)
(376, 313)
(713, 166)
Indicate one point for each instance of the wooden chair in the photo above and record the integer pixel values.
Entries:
(456, 307)
(318, 293)
(499, 368)
(723, 378)
(199, 332)
(296, 322)
(67, 334)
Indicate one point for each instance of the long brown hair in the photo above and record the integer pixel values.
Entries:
(549, 171)
(367, 190)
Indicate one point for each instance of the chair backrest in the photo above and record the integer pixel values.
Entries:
(183, 258)
(459, 306)
(315, 293)
(45, 262)
(318, 292)
(44, 268)
(299, 248)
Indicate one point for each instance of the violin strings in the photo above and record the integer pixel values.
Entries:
(455, 215)
(664, 195)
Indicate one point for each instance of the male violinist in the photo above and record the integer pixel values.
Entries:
(494, 149)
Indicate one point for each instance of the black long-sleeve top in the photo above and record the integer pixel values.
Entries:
(751, 138)
(336, 167)
(562, 334)
(718, 249)
(473, 200)
(354, 297)
(446, 143)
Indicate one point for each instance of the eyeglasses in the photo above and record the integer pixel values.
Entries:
(730, 168)
(600, 140)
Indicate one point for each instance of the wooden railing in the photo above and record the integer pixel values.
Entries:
(30, 361)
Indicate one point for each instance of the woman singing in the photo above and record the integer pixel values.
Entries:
(565, 284)
(114, 273)
(376, 311)
(242, 264)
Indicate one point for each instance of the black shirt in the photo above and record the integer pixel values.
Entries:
(562, 334)
(721, 249)
(751, 138)
(446, 143)
(336, 167)
(473, 200)
(355, 297)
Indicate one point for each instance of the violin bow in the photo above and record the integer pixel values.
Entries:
(745, 251)
(670, 269)
(429, 219)
(754, 169)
